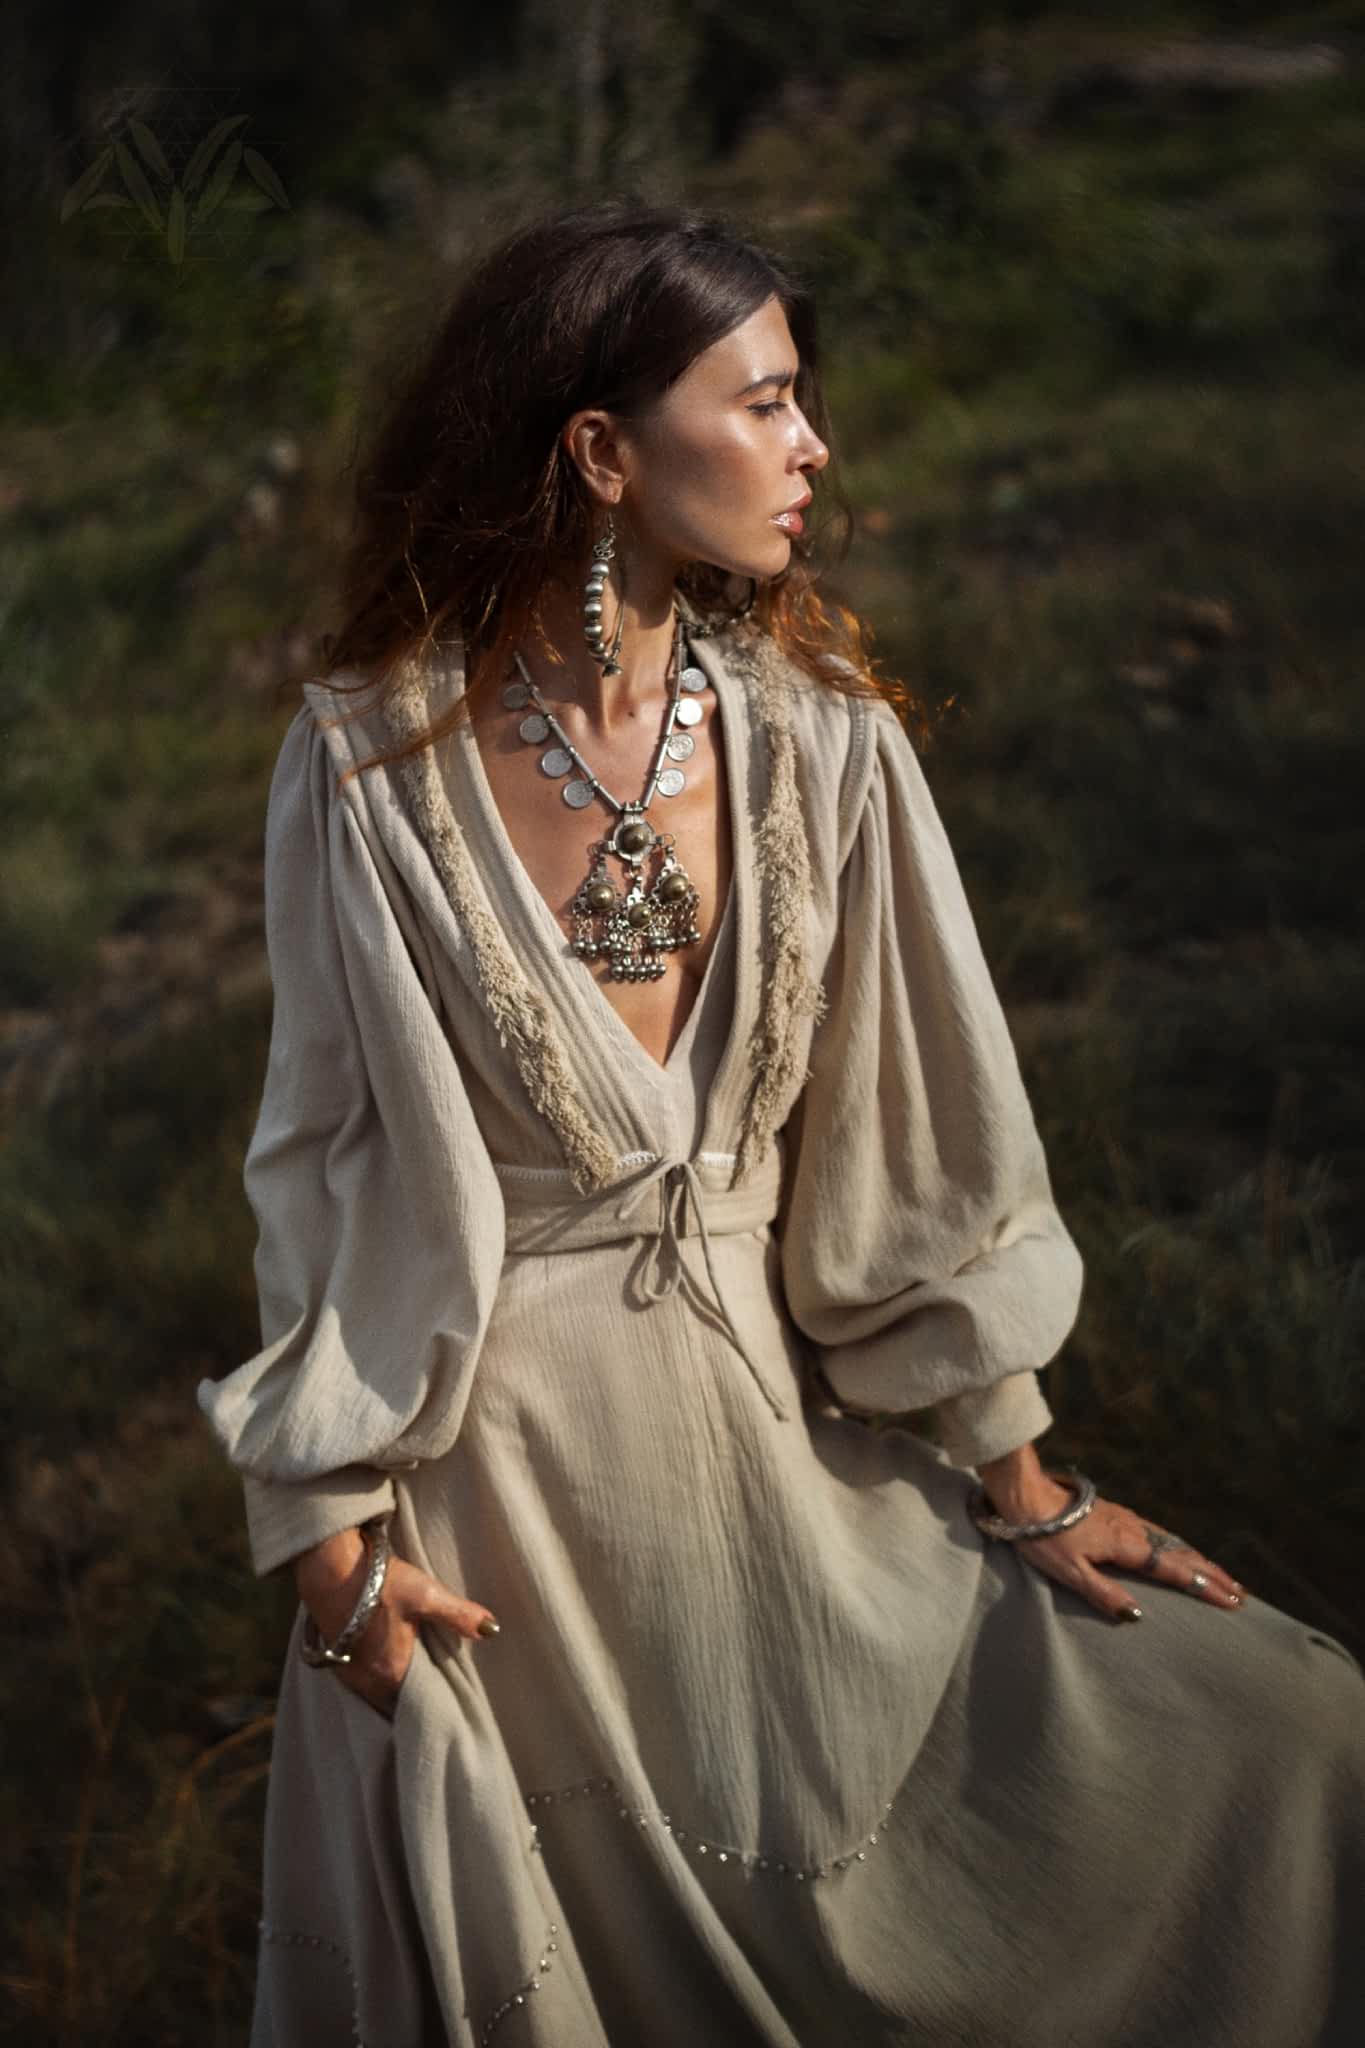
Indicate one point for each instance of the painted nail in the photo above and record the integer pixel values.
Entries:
(1131, 1612)
(489, 1627)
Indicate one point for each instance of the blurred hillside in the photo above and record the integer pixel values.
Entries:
(1094, 319)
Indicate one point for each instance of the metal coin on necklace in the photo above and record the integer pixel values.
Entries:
(654, 911)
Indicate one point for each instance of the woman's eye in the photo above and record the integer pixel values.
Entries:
(770, 405)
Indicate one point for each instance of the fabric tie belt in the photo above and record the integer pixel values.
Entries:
(545, 1213)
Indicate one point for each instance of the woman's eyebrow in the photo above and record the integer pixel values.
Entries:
(779, 377)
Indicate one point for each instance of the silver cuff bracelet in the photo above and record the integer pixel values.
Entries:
(991, 1524)
(312, 1648)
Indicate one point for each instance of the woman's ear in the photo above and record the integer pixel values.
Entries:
(592, 442)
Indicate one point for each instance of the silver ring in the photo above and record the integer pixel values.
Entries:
(1199, 1581)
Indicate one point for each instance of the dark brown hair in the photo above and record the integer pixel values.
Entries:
(467, 499)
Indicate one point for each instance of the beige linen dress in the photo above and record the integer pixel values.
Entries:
(773, 1748)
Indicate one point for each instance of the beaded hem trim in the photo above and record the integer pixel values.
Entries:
(701, 1845)
(290, 1938)
(523, 1990)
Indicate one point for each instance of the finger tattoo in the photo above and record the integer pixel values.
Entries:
(1161, 1539)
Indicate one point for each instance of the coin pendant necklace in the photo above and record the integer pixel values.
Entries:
(654, 910)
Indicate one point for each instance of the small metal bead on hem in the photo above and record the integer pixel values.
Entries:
(524, 1990)
(700, 1846)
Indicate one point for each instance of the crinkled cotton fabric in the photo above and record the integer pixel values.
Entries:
(773, 1747)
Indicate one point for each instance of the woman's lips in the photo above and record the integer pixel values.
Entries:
(790, 522)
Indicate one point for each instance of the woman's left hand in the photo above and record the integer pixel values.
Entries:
(1114, 1535)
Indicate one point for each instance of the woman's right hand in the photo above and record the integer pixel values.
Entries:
(329, 1579)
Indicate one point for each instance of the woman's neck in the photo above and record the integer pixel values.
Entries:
(566, 674)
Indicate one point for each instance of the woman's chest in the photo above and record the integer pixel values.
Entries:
(557, 849)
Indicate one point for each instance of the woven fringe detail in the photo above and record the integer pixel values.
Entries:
(783, 859)
(518, 1011)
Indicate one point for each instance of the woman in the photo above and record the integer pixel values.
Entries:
(639, 1114)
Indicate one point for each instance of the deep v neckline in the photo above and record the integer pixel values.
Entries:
(541, 926)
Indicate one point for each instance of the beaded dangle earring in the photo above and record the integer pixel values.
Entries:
(603, 554)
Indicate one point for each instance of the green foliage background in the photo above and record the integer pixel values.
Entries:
(1094, 333)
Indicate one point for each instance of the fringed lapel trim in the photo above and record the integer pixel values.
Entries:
(782, 855)
(519, 1013)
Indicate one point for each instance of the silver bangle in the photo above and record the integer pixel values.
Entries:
(312, 1648)
(991, 1524)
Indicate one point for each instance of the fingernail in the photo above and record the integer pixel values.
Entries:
(1131, 1613)
(1236, 1599)
(489, 1627)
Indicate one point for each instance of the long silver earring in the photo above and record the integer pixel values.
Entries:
(603, 554)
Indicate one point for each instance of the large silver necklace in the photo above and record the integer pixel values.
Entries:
(654, 911)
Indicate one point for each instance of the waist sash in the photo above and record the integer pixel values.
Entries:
(667, 1200)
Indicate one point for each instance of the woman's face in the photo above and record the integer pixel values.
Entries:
(709, 473)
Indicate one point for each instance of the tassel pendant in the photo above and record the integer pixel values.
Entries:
(634, 927)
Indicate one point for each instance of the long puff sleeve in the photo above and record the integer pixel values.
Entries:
(921, 1248)
(380, 1215)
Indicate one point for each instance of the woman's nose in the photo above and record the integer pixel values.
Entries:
(816, 454)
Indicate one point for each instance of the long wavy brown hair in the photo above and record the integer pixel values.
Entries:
(466, 500)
